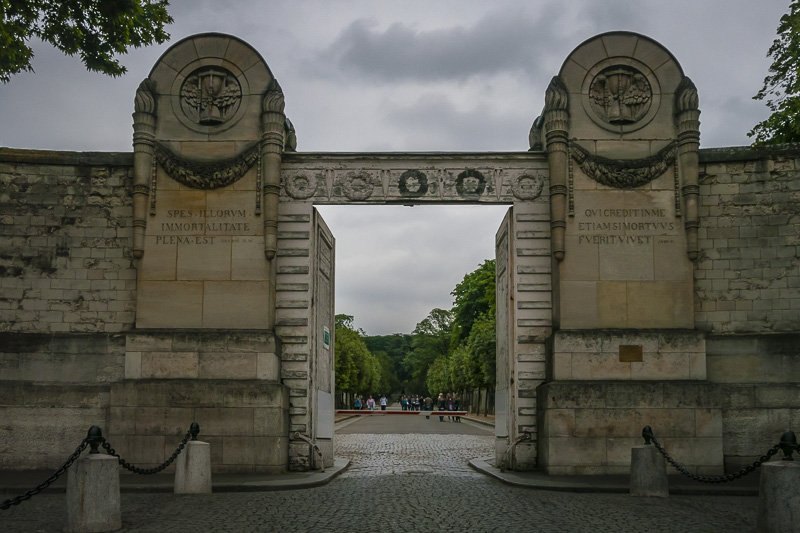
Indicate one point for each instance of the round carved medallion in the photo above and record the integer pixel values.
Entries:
(358, 186)
(470, 183)
(301, 186)
(413, 183)
(210, 96)
(620, 95)
(528, 187)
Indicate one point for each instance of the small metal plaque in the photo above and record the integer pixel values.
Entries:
(630, 353)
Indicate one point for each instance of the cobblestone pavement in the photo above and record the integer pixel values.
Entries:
(408, 483)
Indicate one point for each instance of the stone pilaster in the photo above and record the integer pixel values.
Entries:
(144, 127)
(687, 117)
(273, 123)
(556, 125)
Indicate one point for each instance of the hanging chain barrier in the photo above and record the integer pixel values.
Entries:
(47, 482)
(94, 439)
(194, 429)
(788, 445)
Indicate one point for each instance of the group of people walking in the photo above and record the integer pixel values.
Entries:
(451, 402)
(359, 403)
(415, 402)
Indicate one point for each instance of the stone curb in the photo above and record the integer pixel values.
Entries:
(602, 484)
(478, 421)
(131, 483)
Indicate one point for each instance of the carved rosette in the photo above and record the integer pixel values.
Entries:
(528, 186)
(301, 186)
(413, 183)
(358, 186)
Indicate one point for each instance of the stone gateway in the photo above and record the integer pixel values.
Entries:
(641, 280)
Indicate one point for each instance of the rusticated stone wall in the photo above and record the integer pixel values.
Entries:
(747, 277)
(68, 282)
(65, 236)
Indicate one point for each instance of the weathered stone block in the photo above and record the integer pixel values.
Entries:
(605, 422)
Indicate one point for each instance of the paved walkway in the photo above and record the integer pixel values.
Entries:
(408, 483)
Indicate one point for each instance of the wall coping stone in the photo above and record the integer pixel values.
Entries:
(56, 157)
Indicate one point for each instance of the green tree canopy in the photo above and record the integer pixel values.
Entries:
(97, 30)
(474, 296)
(781, 88)
(357, 369)
(431, 341)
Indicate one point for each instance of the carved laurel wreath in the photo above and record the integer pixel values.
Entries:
(358, 186)
(413, 183)
(623, 173)
(301, 186)
(206, 175)
(528, 187)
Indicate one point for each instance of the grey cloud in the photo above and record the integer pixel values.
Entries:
(614, 14)
(502, 40)
(433, 122)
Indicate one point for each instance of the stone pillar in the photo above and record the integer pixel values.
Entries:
(273, 123)
(193, 469)
(144, 128)
(687, 116)
(93, 502)
(556, 124)
(648, 472)
(778, 497)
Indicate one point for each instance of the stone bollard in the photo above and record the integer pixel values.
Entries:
(648, 472)
(93, 502)
(193, 469)
(778, 497)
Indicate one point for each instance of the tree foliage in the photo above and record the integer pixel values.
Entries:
(447, 351)
(430, 342)
(781, 88)
(474, 297)
(357, 370)
(96, 30)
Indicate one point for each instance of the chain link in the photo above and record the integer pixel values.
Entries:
(39, 488)
(717, 479)
(147, 471)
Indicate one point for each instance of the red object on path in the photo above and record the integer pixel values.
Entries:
(378, 412)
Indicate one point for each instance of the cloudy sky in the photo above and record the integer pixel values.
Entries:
(412, 75)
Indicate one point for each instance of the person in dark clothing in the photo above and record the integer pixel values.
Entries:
(457, 406)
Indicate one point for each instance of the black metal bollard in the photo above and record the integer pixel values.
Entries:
(647, 434)
(95, 438)
(194, 429)
(788, 445)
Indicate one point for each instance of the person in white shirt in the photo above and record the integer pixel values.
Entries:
(383, 402)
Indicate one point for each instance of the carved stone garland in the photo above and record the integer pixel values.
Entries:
(623, 173)
(206, 175)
